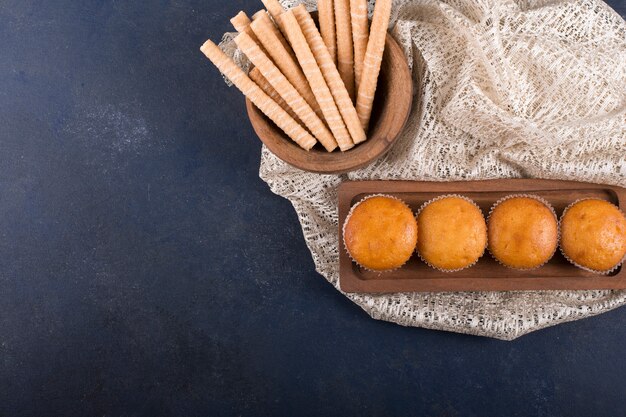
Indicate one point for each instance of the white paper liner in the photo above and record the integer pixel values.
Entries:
(343, 232)
(441, 197)
(548, 205)
(606, 272)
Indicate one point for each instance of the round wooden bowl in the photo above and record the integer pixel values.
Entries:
(392, 106)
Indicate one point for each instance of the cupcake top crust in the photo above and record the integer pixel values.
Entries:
(523, 232)
(453, 234)
(593, 234)
(380, 233)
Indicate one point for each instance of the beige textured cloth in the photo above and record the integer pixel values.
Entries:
(506, 89)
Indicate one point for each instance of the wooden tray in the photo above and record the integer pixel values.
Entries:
(487, 274)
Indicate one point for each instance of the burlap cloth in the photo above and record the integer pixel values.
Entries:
(506, 89)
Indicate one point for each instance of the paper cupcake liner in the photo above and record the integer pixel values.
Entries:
(577, 265)
(548, 205)
(441, 197)
(343, 232)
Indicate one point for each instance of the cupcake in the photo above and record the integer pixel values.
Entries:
(593, 235)
(453, 234)
(523, 232)
(380, 233)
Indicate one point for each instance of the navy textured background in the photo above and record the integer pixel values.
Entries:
(146, 270)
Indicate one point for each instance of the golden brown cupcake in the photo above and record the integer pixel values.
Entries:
(523, 232)
(380, 233)
(593, 235)
(453, 234)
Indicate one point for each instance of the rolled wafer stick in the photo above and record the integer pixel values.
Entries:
(255, 75)
(326, 16)
(373, 59)
(286, 91)
(360, 35)
(331, 74)
(316, 80)
(263, 29)
(240, 22)
(345, 57)
(262, 14)
(258, 14)
(275, 9)
(254, 93)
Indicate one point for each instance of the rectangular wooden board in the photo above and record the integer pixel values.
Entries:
(487, 274)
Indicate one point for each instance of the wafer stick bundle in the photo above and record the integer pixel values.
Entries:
(287, 92)
(262, 28)
(317, 85)
(331, 75)
(316, 80)
(254, 93)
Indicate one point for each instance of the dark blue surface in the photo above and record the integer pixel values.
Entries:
(145, 270)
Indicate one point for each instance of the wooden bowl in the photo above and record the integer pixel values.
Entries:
(392, 106)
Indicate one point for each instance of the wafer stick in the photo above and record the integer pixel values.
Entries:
(331, 75)
(258, 14)
(255, 75)
(326, 16)
(262, 14)
(275, 9)
(262, 28)
(316, 80)
(345, 58)
(254, 93)
(360, 35)
(373, 59)
(286, 91)
(241, 21)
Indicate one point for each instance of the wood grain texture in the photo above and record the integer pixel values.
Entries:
(487, 274)
(392, 106)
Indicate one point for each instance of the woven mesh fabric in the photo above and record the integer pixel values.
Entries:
(507, 89)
